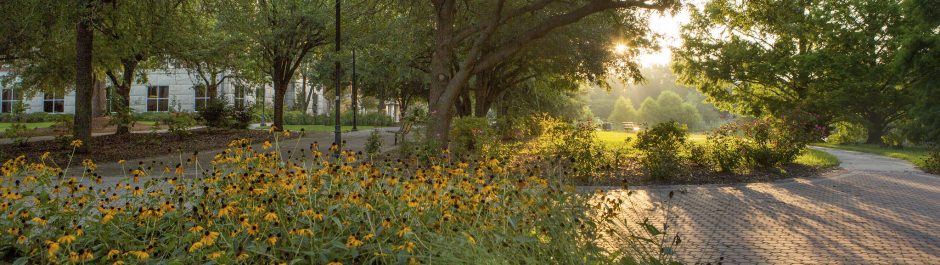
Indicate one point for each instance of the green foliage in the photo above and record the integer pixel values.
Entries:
(660, 146)
(725, 148)
(471, 135)
(669, 106)
(893, 139)
(33, 117)
(215, 112)
(623, 112)
(919, 59)
(374, 143)
(180, 123)
(774, 141)
(366, 119)
(219, 114)
(932, 161)
(847, 133)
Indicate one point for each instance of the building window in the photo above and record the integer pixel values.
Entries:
(239, 98)
(202, 97)
(8, 100)
(53, 102)
(158, 98)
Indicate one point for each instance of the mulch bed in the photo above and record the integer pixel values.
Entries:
(111, 148)
(630, 173)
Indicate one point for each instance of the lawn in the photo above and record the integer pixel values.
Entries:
(6, 125)
(809, 157)
(816, 158)
(614, 138)
(915, 155)
(320, 128)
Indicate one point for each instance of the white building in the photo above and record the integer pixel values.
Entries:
(163, 90)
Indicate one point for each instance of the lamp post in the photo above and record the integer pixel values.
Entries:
(355, 95)
(338, 138)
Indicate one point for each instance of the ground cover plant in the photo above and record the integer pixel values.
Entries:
(254, 205)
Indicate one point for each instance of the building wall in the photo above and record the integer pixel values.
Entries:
(182, 95)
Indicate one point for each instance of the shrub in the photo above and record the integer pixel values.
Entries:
(660, 146)
(932, 162)
(471, 135)
(364, 119)
(215, 114)
(725, 148)
(180, 123)
(374, 143)
(152, 116)
(239, 117)
(772, 141)
(893, 139)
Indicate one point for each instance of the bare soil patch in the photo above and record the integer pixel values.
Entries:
(112, 148)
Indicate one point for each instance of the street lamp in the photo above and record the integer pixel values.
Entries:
(355, 100)
(338, 138)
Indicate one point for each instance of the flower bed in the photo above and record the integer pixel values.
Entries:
(254, 206)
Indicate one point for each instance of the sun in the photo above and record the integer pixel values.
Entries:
(620, 48)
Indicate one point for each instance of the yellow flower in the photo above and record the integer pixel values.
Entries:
(107, 218)
(368, 237)
(141, 255)
(122, 161)
(404, 231)
(113, 253)
(270, 217)
(53, 248)
(76, 143)
(335, 263)
(273, 239)
(44, 156)
(266, 145)
(66, 239)
(353, 242)
(215, 255)
(40, 221)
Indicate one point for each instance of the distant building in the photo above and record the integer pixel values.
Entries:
(163, 90)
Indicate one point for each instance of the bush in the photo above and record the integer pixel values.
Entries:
(932, 162)
(364, 119)
(374, 143)
(724, 148)
(772, 141)
(180, 123)
(219, 114)
(660, 146)
(32, 117)
(471, 135)
(215, 114)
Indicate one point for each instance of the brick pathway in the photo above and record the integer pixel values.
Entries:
(876, 210)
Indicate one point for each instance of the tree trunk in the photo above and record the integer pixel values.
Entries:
(875, 131)
(84, 83)
(124, 111)
(280, 89)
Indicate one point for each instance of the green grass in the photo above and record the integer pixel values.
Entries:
(915, 155)
(816, 158)
(617, 138)
(33, 125)
(320, 128)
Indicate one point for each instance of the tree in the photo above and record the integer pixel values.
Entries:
(669, 106)
(919, 60)
(463, 32)
(768, 58)
(281, 33)
(623, 112)
(133, 32)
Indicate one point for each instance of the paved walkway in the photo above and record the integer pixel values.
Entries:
(876, 210)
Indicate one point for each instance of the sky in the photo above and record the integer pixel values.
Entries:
(667, 26)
